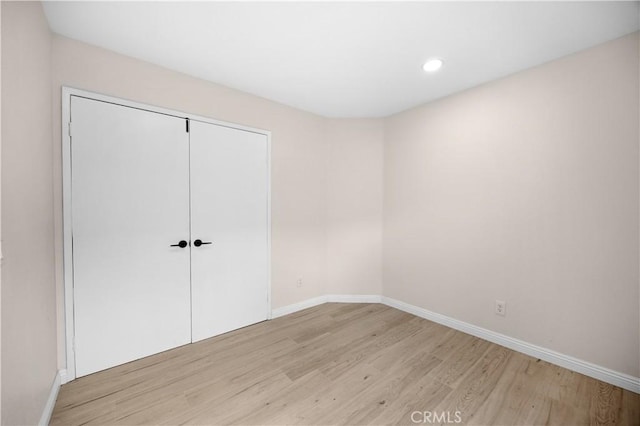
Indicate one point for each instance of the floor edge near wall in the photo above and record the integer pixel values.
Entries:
(604, 374)
(45, 418)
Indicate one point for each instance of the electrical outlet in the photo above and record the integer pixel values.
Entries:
(501, 307)
(299, 282)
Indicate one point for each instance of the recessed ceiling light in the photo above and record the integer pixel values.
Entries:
(432, 65)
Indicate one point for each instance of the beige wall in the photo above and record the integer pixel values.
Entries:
(354, 207)
(526, 190)
(28, 286)
(299, 230)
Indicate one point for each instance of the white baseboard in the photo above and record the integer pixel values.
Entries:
(354, 298)
(330, 298)
(51, 401)
(616, 378)
(64, 376)
(289, 309)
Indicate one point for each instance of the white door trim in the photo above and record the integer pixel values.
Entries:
(67, 93)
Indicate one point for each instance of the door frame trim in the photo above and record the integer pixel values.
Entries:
(67, 223)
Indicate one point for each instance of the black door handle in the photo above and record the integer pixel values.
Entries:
(198, 243)
(181, 244)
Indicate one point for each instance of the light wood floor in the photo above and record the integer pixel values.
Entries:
(343, 364)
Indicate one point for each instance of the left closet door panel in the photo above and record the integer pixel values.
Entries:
(130, 203)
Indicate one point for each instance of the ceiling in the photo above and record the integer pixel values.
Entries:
(345, 59)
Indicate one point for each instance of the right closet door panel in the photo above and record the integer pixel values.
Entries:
(229, 215)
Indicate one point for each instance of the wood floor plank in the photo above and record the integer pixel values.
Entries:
(342, 364)
(276, 403)
(390, 387)
(604, 404)
(423, 396)
(369, 346)
(521, 384)
(320, 351)
(477, 384)
(629, 408)
(330, 399)
(224, 408)
(454, 367)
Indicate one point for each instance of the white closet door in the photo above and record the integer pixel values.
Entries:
(130, 202)
(228, 209)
